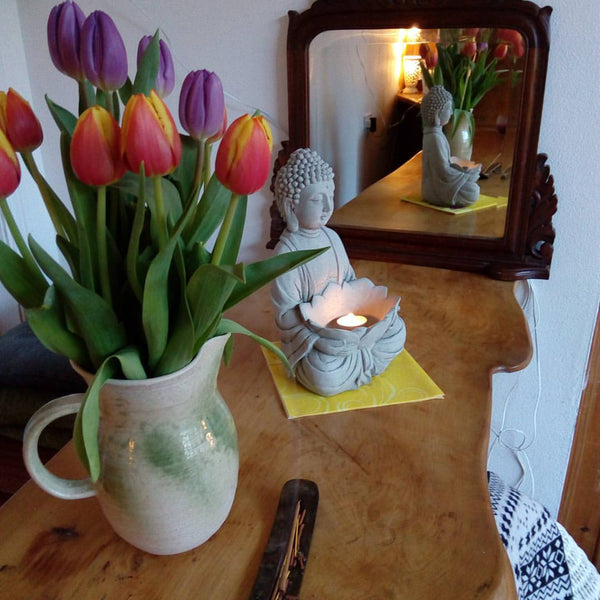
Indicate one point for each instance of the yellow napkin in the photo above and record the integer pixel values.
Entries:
(403, 381)
(482, 203)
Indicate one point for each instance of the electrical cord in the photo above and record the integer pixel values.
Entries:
(520, 446)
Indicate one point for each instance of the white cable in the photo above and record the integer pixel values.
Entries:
(519, 450)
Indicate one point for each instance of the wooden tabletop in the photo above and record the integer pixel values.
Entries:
(404, 511)
(380, 206)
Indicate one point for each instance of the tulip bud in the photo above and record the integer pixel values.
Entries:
(501, 123)
(10, 170)
(96, 148)
(22, 126)
(215, 138)
(429, 53)
(514, 41)
(64, 31)
(201, 104)
(149, 135)
(165, 79)
(244, 157)
(500, 51)
(469, 49)
(3, 111)
(103, 54)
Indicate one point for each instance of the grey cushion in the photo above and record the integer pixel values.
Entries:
(30, 376)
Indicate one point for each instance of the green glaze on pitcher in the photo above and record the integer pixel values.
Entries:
(169, 457)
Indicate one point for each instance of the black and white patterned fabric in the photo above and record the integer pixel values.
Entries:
(533, 542)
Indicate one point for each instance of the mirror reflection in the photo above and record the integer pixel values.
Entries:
(366, 89)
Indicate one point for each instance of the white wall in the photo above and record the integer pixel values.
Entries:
(246, 46)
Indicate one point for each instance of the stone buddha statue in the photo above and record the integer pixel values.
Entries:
(446, 181)
(327, 360)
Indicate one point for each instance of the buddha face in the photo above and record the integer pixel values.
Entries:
(316, 205)
(445, 113)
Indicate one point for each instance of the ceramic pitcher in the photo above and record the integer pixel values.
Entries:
(169, 457)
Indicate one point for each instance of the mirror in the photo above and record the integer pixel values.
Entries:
(355, 99)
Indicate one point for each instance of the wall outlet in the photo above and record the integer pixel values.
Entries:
(370, 123)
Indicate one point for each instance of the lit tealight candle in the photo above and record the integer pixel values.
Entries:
(351, 320)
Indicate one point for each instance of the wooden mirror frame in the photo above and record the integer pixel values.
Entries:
(525, 250)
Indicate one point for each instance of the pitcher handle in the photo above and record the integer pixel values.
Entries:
(67, 489)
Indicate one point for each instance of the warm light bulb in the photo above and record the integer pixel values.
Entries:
(351, 320)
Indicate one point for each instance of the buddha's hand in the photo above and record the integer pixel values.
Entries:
(337, 342)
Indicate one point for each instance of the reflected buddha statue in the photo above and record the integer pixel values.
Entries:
(326, 360)
(447, 180)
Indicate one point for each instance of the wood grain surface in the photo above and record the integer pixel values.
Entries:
(380, 207)
(404, 510)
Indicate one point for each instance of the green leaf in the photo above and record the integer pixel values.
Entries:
(229, 326)
(145, 79)
(85, 432)
(49, 325)
(184, 173)
(130, 184)
(65, 120)
(234, 239)
(125, 91)
(155, 303)
(83, 199)
(180, 347)
(71, 254)
(260, 273)
(17, 279)
(208, 289)
(94, 319)
(208, 214)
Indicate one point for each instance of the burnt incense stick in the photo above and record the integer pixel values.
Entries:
(284, 560)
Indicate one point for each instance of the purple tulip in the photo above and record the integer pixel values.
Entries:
(103, 54)
(201, 104)
(165, 80)
(64, 29)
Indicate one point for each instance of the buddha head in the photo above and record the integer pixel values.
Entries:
(304, 190)
(437, 105)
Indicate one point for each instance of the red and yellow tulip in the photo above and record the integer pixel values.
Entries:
(149, 136)
(21, 125)
(244, 157)
(10, 171)
(429, 53)
(96, 148)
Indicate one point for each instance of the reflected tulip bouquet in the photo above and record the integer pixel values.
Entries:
(467, 62)
(143, 290)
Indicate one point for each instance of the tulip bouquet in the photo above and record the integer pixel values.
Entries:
(466, 63)
(143, 291)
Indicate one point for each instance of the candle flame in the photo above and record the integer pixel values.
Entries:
(351, 320)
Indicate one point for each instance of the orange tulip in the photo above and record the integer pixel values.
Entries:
(3, 111)
(244, 157)
(96, 148)
(10, 171)
(22, 126)
(149, 136)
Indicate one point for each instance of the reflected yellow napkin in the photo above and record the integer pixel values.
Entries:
(482, 203)
(403, 381)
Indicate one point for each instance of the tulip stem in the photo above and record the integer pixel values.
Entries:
(161, 220)
(199, 170)
(21, 245)
(101, 240)
(206, 166)
(84, 96)
(224, 231)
